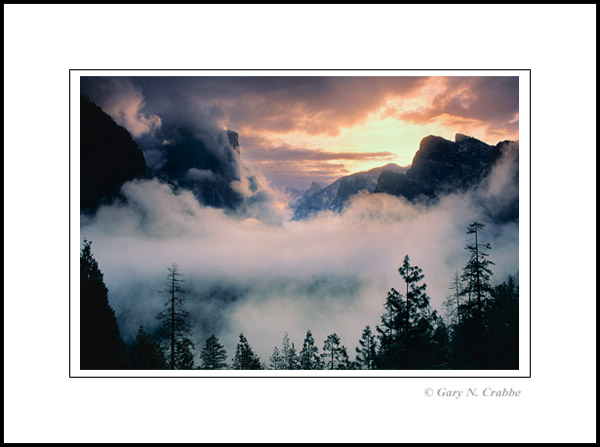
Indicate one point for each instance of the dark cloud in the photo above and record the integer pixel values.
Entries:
(280, 104)
(311, 104)
(155, 108)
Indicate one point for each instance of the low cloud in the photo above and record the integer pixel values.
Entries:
(200, 174)
(245, 273)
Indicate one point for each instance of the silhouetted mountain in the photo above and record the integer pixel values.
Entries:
(443, 166)
(294, 194)
(335, 196)
(234, 140)
(314, 189)
(187, 150)
(398, 184)
(439, 167)
(503, 205)
(109, 156)
(505, 148)
(205, 163)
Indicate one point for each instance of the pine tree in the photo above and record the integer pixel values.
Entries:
(184, 354)
(289, 354)
(366, 352)
(334, 354)
(477, 272)
(101, 345)
(276, 361)
(467, 333)
(407, 326)
(392, 332)
(467, 290)
(440, 343)
(245, 358)
(309, 355)
(175, 326)
(502, 316)
(213, 354)
(420, 320)
(466, 337)
(452, 303)
(470, 341)
(145, 352)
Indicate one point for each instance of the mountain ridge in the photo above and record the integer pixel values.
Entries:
(334, 196)
(108, 157)
(439, 166)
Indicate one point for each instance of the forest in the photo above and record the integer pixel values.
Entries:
(479, 328)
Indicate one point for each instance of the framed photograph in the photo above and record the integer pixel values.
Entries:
(302, 223)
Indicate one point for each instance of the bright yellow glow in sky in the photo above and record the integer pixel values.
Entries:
(297, 129)
(380, 132)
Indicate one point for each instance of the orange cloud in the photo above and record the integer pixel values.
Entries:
(490, 103)
(285, 165)
(317, 124)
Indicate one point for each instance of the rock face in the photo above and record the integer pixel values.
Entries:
(234, 140)
(189, 150)
(336, 195)
(398, 184)
(109, 157)
(502, 200)
(441, 165)
(204, 163)
(294, 196)
(314, 189)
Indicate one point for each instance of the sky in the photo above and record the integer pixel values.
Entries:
(261, 273)
(299, 129)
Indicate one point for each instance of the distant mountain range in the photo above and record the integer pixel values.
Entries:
(439, 167)
(208, 164)
(336, 195)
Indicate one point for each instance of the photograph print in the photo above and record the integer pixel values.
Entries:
(298, 223)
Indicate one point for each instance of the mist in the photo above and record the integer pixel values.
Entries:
(260, 273)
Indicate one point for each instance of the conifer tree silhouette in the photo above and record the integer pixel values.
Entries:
(174, 319)
(101, 345)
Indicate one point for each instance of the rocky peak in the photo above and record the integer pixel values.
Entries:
(108, 156)
(440, 163)
(314, 188)
(390, 167)
(459, 138)
(398, 184)
(234, 139)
